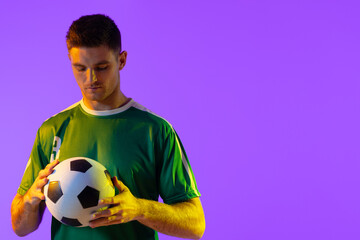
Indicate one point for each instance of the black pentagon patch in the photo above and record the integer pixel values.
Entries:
(71, 221)
(89, 197)
(54, 191)
(108, 177)
(80, 165)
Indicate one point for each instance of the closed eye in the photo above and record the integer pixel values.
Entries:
(101, 68)
(80, 68)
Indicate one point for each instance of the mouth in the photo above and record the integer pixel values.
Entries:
(93, 87)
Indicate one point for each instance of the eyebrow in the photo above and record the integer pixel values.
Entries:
(97, 64)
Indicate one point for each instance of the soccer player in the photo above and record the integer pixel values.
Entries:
(140, 150)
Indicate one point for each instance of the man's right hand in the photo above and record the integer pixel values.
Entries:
(27, 210)
(35, 194)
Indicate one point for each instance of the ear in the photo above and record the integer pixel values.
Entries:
(69, 56)
(122, 59)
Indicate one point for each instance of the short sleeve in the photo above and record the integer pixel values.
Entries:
(176, 182)
(35, 163)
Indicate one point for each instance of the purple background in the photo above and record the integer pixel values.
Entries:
(264, 95)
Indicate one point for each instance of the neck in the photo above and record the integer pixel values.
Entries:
(107, 104)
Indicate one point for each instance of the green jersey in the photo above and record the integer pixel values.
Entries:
(140, 148)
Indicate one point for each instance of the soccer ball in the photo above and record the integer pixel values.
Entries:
(74, 189)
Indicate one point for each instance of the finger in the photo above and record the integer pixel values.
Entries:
(119, 184)
(36, 191)
(40, 196)
(38, 184)
(42, 173)
(53, 164)
(41, 183)
(45, 173)
(48, 169)
(107, 201)
(104, 213)
(37, 197)
(98, 222)
(107, 213)
(106, 221)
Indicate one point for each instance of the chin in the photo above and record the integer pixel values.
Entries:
(94, 98)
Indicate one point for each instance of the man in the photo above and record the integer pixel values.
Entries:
(140, 149)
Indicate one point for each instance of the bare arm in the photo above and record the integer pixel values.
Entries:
(27, 211)
(184, 219)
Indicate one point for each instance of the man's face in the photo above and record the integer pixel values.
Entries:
(96, 71)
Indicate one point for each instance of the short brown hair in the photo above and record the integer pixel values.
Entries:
(94, 31)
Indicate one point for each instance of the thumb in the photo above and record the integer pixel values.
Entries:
(119, 184)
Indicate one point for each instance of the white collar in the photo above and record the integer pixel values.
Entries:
(106, 112)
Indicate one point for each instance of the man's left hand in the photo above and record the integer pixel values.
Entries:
(124, 207)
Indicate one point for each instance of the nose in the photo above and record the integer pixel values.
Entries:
(91, 76)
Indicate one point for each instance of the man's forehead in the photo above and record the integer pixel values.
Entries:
(93, 55)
